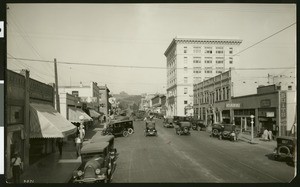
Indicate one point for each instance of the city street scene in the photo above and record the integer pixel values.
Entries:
(151, 93)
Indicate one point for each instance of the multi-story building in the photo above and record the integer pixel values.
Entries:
(192, 60)
(146, 102)
(105, 105)
(158, 103)
(230, 99)
(32, 123)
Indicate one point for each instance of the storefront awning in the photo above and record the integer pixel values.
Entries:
(46, 122)
(93, 113)
(75, 113)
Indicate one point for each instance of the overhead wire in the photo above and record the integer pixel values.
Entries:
(26, 38)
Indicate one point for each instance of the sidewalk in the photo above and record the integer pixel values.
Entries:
(270, 145)
(267, 144)
(55, 168)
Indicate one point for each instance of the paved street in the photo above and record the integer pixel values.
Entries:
(195, 158)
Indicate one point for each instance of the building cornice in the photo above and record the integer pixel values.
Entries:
(203, 41)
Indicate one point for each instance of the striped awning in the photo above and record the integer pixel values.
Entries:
(94, 114)
(75, 113)
(46, 122)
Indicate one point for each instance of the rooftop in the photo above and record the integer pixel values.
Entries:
(204, 39)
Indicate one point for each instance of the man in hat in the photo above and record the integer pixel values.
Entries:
(17, 167)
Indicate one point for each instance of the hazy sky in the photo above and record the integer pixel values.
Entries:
(138, 35)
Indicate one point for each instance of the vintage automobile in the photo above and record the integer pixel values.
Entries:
(169, 123)
(224, 131)
(97, 165)
(115, 127)
(150, 129)
(285, 149)
(197, 124)
(183, 127)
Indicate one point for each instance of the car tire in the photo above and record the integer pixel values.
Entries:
(215, 132)
(130, 131)
(125, 133)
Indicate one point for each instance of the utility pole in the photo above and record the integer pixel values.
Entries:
(56, 87)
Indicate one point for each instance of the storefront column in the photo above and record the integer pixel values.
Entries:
(26, 120)
(232, 116)
(221, 117)
(256, 122)
(214, 116)
(206, 117)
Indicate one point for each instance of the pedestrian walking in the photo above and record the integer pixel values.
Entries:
(81, 132)
(59, 144)
(78, 143)
(265, 135)
(17, 167)
(270, 135)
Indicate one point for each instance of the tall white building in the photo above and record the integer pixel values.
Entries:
(192, 60)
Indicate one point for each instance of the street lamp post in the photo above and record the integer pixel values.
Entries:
(252, 122)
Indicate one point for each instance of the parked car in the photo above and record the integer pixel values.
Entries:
(116, 128)
(225, 131)
(178, 119)
(97, 164)
(285, 149)
(150, 129)
(168, 122)
(183, 128)
(197, 124)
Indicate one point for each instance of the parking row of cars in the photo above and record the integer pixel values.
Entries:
(98, 161)
(285, 149)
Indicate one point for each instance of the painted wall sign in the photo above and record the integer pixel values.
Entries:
(265, 103)
(233, 105)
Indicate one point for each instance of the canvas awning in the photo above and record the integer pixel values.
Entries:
(75, 113)
(46, 122)
(93, 113)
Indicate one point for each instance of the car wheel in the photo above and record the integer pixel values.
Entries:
(130, 131)
(215, 132)
(125, 133)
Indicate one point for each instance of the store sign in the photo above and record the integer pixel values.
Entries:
(270, 114)
(265, 103)
(283, 108)
(233, 105)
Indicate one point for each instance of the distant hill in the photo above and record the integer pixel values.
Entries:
(128, 100)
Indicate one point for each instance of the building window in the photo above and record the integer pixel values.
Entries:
(185, 91)
(208, 60)
(289, 87)
(219, 50)
(228, 92)
(208, 50)
(185, 80)
(185, 60)
(185, 102)
(196, 59)
(185, 69)
(75, 93)
(197, 49)
(185, 49)
(230, 50)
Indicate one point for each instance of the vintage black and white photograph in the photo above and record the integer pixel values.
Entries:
(150, 93)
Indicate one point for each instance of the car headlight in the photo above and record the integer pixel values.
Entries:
(148, 130)
(97, 171)
(79, 173)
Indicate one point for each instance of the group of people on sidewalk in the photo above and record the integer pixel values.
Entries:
(267, 135)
